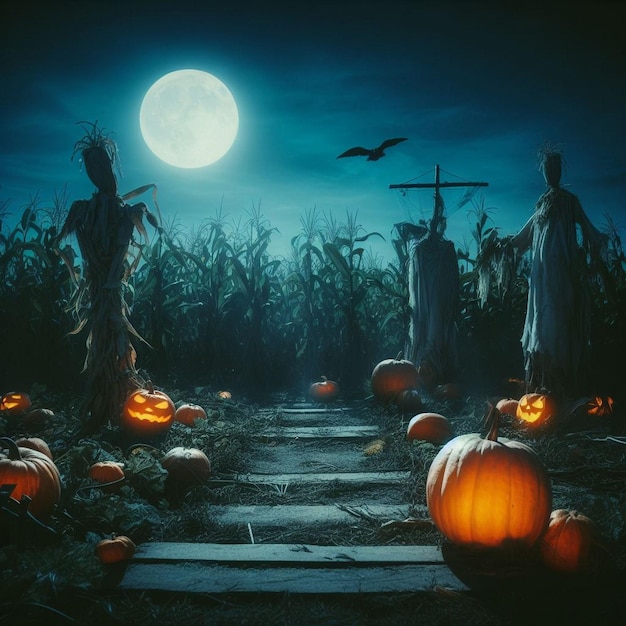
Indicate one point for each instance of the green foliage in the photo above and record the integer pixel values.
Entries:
(216, 308)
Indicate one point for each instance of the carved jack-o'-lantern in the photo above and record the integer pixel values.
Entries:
(147, 412)
(536, 408)
(600, 406)
(15, 402)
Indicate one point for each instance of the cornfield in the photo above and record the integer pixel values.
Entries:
(216, 309)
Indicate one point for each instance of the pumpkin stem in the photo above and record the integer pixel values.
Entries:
(323, 379)
(149, 386)
(14, 451)
(492, 420)
(400, 356)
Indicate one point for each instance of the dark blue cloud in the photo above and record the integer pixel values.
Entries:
(475, 86)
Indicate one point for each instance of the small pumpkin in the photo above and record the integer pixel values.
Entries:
(37, 418)
(108, 472)
(507, 406)
(600, 406)
(187, 466)
(188, 413)
(568, 542)
(431, 427)
(33, 474)
(147, 412)
(324, 390)
(15, 402)
(447, 391)
(115, 549)
(224, 395)
(536, 408)
(409, 402)
(488, 492)
(391, 376)
(34, 443)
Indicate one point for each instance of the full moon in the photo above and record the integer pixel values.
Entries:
(189, 118)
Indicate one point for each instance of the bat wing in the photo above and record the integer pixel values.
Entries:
(391, 142)
(358, 151)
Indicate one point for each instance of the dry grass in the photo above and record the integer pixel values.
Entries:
(64, 581)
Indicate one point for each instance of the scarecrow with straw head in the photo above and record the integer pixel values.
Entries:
(566, 255)
(104, 228)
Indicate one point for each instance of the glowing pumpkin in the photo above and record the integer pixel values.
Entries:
(115, 549)
(188, 414)
(224, 395)
(488, 492)
(431, 427)
(147, 412)
(324, 390)
(391, 376)
(568, 541)
(33, 474)
(600, 406)
(15, 402)
(536, 408)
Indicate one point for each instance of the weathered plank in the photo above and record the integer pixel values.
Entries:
(196, 577)
(280, 554)
(319, 432)
(317, 477)
(283, 515)
(305, 409)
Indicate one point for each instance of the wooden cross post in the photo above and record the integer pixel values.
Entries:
(433, 285)
(437, 185)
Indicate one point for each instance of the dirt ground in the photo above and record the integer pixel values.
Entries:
(57, 579)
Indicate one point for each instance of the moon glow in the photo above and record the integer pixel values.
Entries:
(189, 118)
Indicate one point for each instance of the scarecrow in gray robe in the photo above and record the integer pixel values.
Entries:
(565, 256)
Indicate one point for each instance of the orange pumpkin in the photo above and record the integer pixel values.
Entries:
(391, 376)
(33, 474)
(507, 406)
(188, 414)
(108, 472)
(324, 390)
(115, 549)
(488, 492)
(34, 443)
(536, 409)
(431, 427)
(15, 402)
(147, 412)
(568, 541)
(600, 406)
(187, 466)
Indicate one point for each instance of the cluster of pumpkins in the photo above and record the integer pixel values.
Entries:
(27, 463)
(489, 492)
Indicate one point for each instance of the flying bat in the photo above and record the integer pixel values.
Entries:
(375, 153)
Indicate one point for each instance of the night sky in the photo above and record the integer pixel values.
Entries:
(474, 87)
